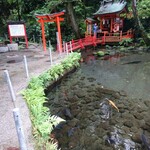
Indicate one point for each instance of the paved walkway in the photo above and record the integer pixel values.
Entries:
(38, 62)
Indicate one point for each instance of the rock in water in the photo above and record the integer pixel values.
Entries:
(67, 113)
(145, 142)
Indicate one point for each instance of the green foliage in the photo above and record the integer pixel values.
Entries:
(122, 49)
(141, 42)
(71, 61)
(144, 9)
(43, 122)
(28, 9)
(35, 82)
(100, 53)
(108, 47)
(1, 39)
(46, 78)
(126, 42)
(56, 71)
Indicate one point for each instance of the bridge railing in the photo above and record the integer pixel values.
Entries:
(81, 43)
(93, 40)
(117, 37)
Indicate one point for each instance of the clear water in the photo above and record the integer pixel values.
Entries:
(91, 122)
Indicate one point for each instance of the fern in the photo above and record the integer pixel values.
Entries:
(41, 118)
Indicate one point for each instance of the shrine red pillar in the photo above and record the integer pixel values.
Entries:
(101, 24)
(59, 34)
(26, 39)
(43, 34)
(111, 24)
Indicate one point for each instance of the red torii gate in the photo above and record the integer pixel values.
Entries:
(55, 17)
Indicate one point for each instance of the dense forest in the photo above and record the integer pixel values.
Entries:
(76, 12)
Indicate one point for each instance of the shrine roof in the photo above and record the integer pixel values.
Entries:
(109, 7)
(92, 20)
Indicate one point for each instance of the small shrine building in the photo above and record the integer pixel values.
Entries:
(109, 18)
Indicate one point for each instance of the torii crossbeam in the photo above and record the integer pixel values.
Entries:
(55, 17)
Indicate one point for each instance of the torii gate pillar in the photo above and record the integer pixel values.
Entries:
(43, 35)
(59, 35)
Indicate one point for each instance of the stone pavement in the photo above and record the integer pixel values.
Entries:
(38, 62)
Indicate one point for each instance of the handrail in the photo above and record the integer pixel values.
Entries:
(93, 40)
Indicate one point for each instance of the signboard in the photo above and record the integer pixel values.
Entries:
(17, 30)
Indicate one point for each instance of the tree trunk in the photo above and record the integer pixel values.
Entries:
(71, 16)
(139, 25)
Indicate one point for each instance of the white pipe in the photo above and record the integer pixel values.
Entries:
(6, 74)
(71, 46)
(26, 66)
(67, 49)
(50, 53)
(19, 129)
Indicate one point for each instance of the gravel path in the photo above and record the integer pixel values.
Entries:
(38, 62)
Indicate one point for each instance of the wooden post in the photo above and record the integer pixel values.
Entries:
(64, 46)
(59, 34)
(33, 39)
(58, 42)
(120, 35)
(67, 49)
(70, 46)
(111, 27)
(104, 39)
(81, 44)
(87, 29)
(26, 39)
(19, 129)
(10, 37)
(90, 29)
(43, 34)
(101, 24)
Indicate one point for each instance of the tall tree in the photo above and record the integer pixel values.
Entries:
(72, 18)
(69, 7)
(139, 24)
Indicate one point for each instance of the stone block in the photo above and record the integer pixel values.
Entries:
(13, 47)
(3, 49)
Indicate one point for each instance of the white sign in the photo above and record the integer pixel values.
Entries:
(17, 30)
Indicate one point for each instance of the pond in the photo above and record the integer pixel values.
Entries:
(105, 104)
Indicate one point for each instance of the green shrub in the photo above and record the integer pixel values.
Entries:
(100, 53)
(42, 120)
(126, 42)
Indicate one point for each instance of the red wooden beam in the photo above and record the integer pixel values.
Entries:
(26, 39)
(54, 15)
(52, 20)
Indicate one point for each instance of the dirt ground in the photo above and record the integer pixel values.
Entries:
(38, 62)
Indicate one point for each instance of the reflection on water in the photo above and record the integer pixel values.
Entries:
(90, 58)
(91, 122)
